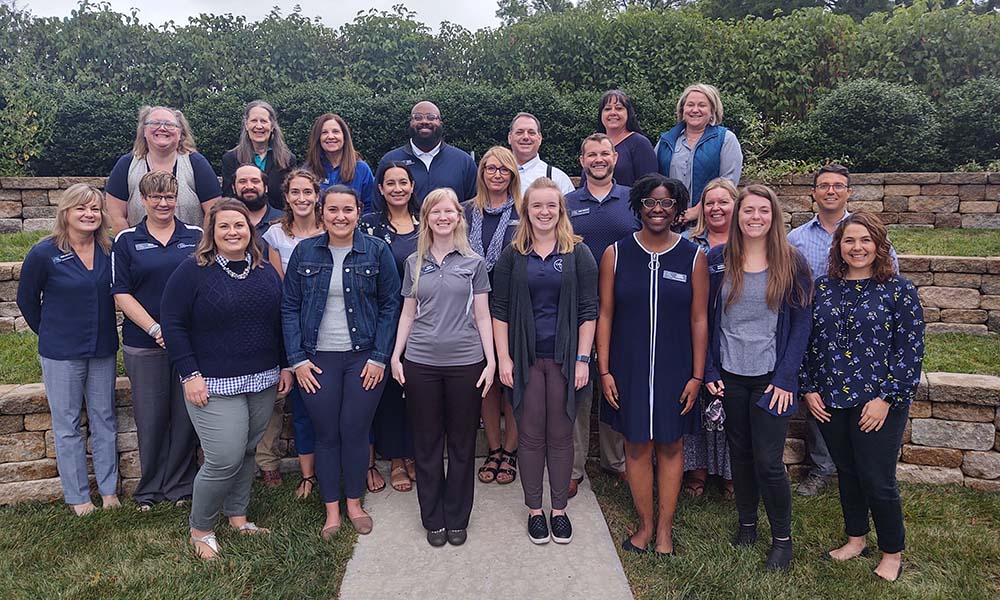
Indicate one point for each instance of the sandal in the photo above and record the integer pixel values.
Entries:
(373, 483)
(487, 473)
(508, 467)
(250, 528)
(208, 548)
(728, 492)
(145, 506)
(411, 468)
(301, 491)
(399, 480)
(694, 488)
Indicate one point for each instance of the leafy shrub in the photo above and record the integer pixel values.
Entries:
(971, 117)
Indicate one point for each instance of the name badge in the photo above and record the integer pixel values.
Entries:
(63, 258)
(713, 269)
(428, 268)
(145, 246)
(579, 212)
(672, 276)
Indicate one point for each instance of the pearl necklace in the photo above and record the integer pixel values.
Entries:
(224, 263)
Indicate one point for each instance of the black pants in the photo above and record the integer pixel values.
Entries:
(393, 437)
(866, 463)
(443, 402)
(756, 447)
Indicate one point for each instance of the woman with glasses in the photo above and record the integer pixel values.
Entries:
(163, 142)
(652, 333)
(492, 218)
(144, 257)
(262, 144)
(333, 160)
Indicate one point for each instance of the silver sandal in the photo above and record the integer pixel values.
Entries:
(210, 541)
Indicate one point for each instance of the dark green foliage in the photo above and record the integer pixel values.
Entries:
(971, 119)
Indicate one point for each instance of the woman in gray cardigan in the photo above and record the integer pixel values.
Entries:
(544, 316)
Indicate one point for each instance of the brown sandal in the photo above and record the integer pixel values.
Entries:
(694, 488)
(399, 480)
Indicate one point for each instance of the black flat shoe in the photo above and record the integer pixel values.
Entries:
(538, 529)
(562, 529)
(746, 535)
(865, 552)
(628, 546)
(779, 557)
(457, 537)
(437, 537)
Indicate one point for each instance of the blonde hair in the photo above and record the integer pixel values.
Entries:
(206, 251)
(75, 195)
(425, 236)
(506, 158)
(524, 235)
(185, 145)
(701, 225)
(711, 92)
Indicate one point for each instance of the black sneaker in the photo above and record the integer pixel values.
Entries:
(745, 536)
(437, 537)
(456, 537)
(779, 557)
(538, 529)
(562, 529)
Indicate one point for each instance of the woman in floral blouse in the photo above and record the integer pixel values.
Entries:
(859, 377)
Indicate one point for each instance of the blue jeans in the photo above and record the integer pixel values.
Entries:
(305, 436)
(67, 383)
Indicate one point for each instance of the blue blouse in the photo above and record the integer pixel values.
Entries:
(867, 342)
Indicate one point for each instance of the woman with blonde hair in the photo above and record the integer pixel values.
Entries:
(544, 315)
(492, 216)
(163, 142)
(449, 357)
(64, 295)
(332, 158)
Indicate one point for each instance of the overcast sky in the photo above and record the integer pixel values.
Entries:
(472, 14)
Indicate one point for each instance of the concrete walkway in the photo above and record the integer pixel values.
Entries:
(497, 562)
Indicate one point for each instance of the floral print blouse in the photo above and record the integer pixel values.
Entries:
(867, 342)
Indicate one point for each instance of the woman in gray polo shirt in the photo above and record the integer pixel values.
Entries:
(446, 332)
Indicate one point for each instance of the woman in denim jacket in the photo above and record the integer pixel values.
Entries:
(339, 315)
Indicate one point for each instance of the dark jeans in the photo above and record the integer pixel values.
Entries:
(393, 438)
(444, 402)
(866, 467)
(305, 438)
(756, 447)
(545, 435)
(341, 412)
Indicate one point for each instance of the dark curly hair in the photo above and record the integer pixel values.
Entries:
(882, 268)
(649, 182)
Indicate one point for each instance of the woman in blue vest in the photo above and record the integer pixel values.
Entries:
(65, 297)
(698, 149)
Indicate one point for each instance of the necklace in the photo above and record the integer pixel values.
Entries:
(224, 263)
(846, 325)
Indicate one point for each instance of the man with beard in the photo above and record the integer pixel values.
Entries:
(434, 163)
(525, 139)
(601, 214)
(252, 191)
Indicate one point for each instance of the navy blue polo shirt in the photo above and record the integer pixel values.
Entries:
(142, 266)
(544, 283)
(601, 222)
(272, 215)
(67, 305)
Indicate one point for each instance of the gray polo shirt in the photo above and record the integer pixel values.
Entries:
(444, 332)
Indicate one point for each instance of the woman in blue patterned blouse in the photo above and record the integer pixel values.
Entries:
(859, 377)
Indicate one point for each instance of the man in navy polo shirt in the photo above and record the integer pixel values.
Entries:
(434, 163)
(600, 213)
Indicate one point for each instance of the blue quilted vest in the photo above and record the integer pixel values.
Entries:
(706, 156)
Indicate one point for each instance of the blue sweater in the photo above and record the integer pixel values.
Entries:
(791, 337)
(221, 326)
(451, 168)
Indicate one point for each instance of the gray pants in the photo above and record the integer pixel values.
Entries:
(229, 428)
(67, 383)
(164, 431)
(612, 442)
(545, 435)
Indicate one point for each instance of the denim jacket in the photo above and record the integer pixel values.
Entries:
(371, 294)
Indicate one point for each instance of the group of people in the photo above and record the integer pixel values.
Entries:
(399, 310)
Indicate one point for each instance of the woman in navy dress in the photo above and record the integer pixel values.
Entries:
(652, 334)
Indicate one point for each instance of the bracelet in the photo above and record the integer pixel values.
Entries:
(154, 330)
(191, 376)
(697, 378)
(603, 374)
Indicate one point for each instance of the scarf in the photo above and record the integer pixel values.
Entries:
(496, 243)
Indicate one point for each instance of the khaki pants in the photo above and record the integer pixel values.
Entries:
(267, 456)
(612, 443)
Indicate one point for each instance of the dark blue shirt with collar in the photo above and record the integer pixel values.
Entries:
(272, 215)
(141, 266)
(601, 222)
(544, 283)
(452, 168)
(67, 305)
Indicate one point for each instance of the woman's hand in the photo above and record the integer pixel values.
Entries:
(506, 371)
(815, 403)
(690, 395)
(716, 388)
(397, 370)
(196, 392)
(781, 398)
(582, 375)
(285, 382)
(486, 378)
(610, 389)
(371, 375)
(304, 375)
(159, 340)
(873, 415)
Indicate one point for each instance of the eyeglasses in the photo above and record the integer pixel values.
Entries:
(837, 187)
(666, 203)
(168, 125)
(425, 117)
(493, 170)
(157, 198)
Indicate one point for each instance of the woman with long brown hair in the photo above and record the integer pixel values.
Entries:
(759, 319)
(332, 158)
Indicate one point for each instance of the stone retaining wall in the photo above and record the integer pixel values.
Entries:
(952, 438)
(950, 200)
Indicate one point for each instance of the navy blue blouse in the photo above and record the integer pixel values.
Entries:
(67, 305)
(867, 342)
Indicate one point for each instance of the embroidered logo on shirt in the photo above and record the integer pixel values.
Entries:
(182, 245)
(672, 276)
(557, 264)
(579, 212)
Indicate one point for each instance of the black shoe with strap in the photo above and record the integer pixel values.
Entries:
(508, 466)
(488, 473)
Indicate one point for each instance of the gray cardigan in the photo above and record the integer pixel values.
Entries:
(512, 304)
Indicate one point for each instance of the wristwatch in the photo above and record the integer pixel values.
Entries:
(584, 358)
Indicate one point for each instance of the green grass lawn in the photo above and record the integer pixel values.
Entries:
(19, 359)
(14, 246)
(946, 242)
(46, 552)
(953, 549)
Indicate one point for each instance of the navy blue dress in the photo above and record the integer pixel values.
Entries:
(651, 340)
